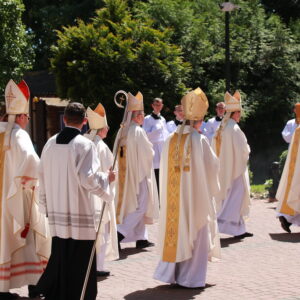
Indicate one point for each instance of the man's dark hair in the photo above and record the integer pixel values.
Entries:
(74, 113)
(157, 100)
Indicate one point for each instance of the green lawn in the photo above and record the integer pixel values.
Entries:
(258, 189)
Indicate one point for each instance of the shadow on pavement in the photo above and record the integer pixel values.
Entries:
(124, 253)
(167, 292)
(225, 242)
(286, 237)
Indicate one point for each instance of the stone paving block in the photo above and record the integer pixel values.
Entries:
(265, 266)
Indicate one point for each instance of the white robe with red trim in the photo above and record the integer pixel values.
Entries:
(22, 260)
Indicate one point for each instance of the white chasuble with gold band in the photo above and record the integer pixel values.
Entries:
(135, 164)
(288, 193)
(233, 152)
(187, 196)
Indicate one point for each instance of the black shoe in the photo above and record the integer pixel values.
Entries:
(32, 292)
(285, 224)
(140, 244)
(103, 273)
(244, 235)
(8, 296)
(120, 238)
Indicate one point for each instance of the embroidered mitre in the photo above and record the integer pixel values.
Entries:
(195, 105)
(135, 102)
(233, 102)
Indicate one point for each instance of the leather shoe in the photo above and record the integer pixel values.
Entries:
(285, 224)
(9, 296)
(102, 273)
(120, 238)
(244, 235)
(140, 244)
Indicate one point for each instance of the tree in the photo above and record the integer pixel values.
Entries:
(16, 55)
(264, 62)
(116, 51)
(44, 17)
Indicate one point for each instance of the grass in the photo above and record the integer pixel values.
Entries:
(258, 189)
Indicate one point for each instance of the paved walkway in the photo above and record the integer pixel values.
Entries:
(266, 266)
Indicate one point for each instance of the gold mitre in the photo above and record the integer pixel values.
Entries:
(233, 103)
(195, 105)
(17, 98)
(135, 102)
(97, 118)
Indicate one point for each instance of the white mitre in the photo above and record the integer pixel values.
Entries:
(17, 102)
(97, 118)
(233, 102)
(17, 98)
(135, 102)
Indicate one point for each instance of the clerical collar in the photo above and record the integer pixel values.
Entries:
(67, 135)
(177, 122)
(218, 118)
(155, 116)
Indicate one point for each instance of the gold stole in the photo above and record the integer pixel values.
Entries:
(285, 209)
(2, 157)
(121, 178)
(218, 139)
(173, 197)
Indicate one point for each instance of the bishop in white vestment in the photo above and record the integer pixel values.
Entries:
(188, 230)
(230, 145)
(288, 193)
(24, 235)
(136, 192)
(107, 243)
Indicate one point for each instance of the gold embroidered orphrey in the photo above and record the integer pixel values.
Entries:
(285, 209)
(121, 178)
(2, 157)
(173, 197)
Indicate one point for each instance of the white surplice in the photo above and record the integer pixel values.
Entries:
(171, 126)
(139, 203)
(107, 243)
(65, 194)
(210, 128)
(198, 238)
(288, 130)
(22, 260)
(157, 133)
(234, 180)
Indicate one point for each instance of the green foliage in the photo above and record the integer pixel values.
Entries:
(264, 61)
(116, 51)
(15, 54)
(282, 159)
(44, 17)
(258, 189)
(268, 184)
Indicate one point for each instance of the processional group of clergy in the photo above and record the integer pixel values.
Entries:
(80, 197)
